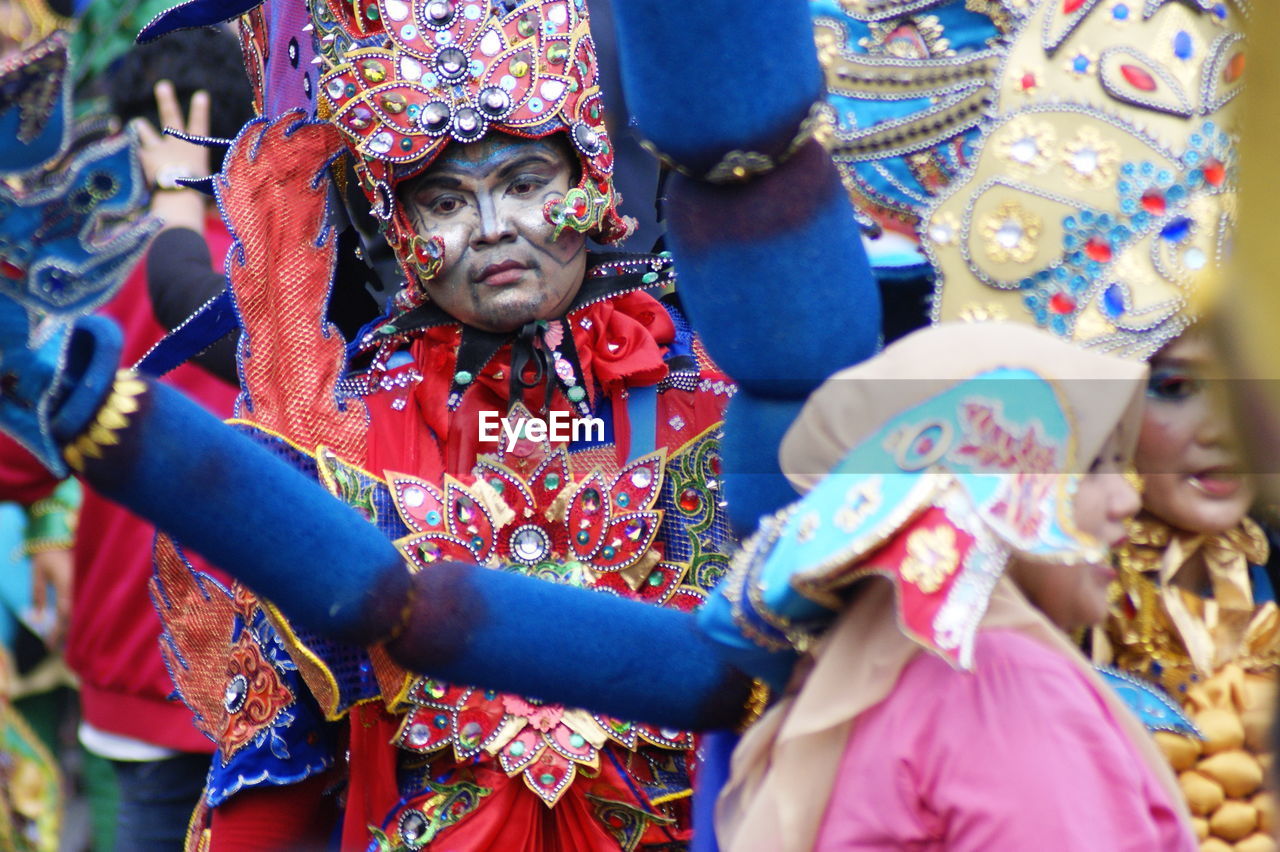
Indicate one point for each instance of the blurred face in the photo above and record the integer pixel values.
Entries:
(1188, 454)
(503, 267)
(1075, 596)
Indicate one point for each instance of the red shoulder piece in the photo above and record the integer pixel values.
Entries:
(281, 266)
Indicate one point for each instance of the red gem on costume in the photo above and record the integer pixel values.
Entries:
(1138, 78)
(1235, 68)
(690, 500)
(11, 270)
(1061, 303)
(714, 465)
(1097, 249)
(1070, 6)
(1214, 172)
(1153, 202)
(1028, 81)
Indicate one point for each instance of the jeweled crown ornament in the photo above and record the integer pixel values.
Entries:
(406, 78)
(1102, 195)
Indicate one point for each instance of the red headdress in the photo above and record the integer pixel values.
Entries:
(404, 78)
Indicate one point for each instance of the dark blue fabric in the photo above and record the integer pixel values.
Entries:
(206, 327)
(195, 13)
(249, 513)
(92, 360)
(705, 78)
(773, 276)
(1263, 591)
(754, 484)
(156, 801)
(573, 646)
(713, 773)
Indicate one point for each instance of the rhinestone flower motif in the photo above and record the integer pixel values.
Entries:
(944, 228)
(595, 531)
(1026, 144)
(1010, 233)
(1090, 160)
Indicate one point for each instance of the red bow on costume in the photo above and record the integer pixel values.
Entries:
(620, 342)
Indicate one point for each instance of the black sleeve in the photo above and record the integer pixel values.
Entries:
(181, 278)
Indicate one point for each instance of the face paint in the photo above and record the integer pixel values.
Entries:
(503, 264)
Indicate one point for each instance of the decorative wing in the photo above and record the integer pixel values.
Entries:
(199, 618)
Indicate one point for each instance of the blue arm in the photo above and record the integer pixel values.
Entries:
(772, 269)
(247, 511)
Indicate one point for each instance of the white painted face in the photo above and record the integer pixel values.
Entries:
(503, 265)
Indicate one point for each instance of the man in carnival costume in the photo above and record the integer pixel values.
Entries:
(475, 131)
(637, 515)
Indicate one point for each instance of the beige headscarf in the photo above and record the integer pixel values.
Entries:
(784, 768)
(1098, 391)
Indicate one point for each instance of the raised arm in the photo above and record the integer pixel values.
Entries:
(769, 255)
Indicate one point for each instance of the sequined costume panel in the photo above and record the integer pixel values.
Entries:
(1215, 649)
(490, 770)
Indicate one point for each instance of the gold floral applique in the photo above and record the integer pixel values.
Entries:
(932, 557)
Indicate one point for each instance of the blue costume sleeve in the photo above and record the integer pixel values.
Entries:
(772, 270)
(250, 513)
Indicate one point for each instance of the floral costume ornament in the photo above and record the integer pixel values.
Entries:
(404, 79)
(590, 530)
(1102, 194)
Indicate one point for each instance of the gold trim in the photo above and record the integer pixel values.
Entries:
(113, 417)
(755, 705)
(738, 165)
(671, 797)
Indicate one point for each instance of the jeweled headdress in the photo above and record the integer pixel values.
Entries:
(907, 85)
(1102, 194)
(405, 79)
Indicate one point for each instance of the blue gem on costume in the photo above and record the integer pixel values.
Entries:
(237, 691)
(413, 828)
(1182, 47)
(1177, 231)
(1113, 301)
(1120, 12)
(1080, 64)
